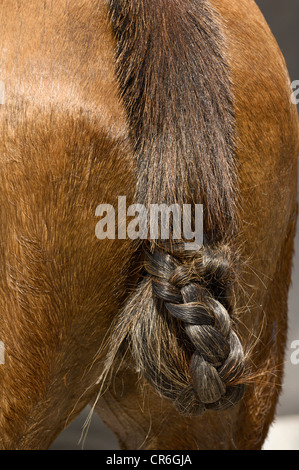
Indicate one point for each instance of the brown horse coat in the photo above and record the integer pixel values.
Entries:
(189, 102)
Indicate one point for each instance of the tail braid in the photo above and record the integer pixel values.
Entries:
(178, 323)
(199, 294)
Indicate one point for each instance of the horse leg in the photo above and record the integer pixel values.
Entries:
(142, 420)
(258, 409)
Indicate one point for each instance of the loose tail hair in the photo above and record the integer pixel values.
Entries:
(179, 323)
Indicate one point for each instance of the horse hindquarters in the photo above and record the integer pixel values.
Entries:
(266, 132)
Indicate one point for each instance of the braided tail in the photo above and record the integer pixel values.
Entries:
(180, 328)
(174, 78)
(199, 295)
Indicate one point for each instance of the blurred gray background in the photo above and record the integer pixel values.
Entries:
(282, 16)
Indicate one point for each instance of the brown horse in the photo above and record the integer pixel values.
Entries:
(177, 101)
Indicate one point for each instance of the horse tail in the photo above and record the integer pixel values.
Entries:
(180, 323)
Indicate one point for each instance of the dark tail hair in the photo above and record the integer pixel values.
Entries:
(175, 83)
